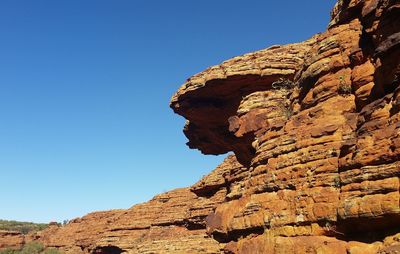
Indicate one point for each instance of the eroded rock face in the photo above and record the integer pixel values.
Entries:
(172, 222)
(11, 240)
(315, 129)
(319, 147)
(210, 100)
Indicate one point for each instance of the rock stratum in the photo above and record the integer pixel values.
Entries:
(314, 128)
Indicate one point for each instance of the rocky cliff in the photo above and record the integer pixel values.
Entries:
(315, 132)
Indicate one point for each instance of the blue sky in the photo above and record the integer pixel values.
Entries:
(85, 86)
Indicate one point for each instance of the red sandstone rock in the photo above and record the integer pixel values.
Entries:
(10, 239)
(315, 128)
(321, 155)
(172, 222)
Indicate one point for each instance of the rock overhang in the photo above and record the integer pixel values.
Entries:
(210, 98)
(327, 181)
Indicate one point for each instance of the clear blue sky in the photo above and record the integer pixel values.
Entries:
(85, 86)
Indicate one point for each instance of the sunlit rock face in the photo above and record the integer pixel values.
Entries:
(12, 240)
(227, 104)
(314, 128)
(317, 133)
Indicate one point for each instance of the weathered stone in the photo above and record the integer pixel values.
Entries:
(315, 129)
(10, 239)
(172, 222)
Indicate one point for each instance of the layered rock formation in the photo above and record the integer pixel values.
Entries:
(11, 239)
(315, 132)
(316, 126)
(172, 222)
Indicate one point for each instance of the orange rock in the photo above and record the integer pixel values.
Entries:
(10, 239)
(315, 129)
(333, 161)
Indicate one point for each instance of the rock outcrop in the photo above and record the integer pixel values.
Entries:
(11, 239)
(172, 222)
(315, 132)
(316, 127)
